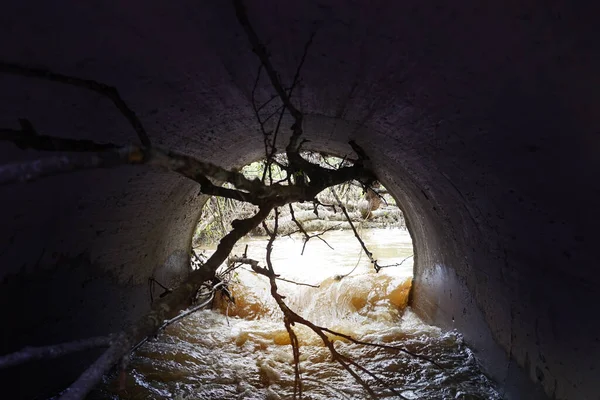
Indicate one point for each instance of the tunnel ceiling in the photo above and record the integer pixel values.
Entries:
(480, 117)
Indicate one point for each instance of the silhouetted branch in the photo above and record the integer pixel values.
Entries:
(151, 283)
(177, 318)
(185, 165)
(289, 93)
(163, 309)
(318, 203)
(261, 52)
(297, 283)
(254, 263)
(362, 244)
(33, 170)
(307, 237)
(94, 373)
(397, 264)
(291, 318)
(383, 346)
(251, 191)
(28, 354)
(28, 138)
(270, 273)
(340, 277)
(101, 88)
(297, 163)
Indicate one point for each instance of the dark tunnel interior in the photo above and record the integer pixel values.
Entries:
(479, 117)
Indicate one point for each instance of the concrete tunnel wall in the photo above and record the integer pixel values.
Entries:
(479, 118)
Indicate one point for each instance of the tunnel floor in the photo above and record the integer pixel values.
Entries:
(242, 351)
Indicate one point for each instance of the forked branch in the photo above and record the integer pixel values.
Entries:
(306, 236)
(291, 318)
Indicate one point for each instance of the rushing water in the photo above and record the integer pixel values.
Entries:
(243, 351)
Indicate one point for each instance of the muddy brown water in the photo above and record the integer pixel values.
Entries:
(243, 351)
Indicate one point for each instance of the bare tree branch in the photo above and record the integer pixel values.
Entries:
(362, 244)
(289, 93)
(286, 321)
(268, 197)
(383, 346)
(101, 88)
(291, 318)
(93, 374)
(297, 283)
(251, 262)
(28, 138)
(33, 170)
(261, 52)
(318, 203)
(28, 354)
(297, 163)
(397, 264)
(252, 191)
(340, 277)
(163, 309)
(187, 166)
(307, 237)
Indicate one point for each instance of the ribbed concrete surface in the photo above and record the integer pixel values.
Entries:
(480, 118)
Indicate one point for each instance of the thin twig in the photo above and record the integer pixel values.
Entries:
(279, 278)
(297, 283)
(151, 282)
(318, 203)
(397, 264)
(340, 277)
(362, 244)
(169, 322)
(384, 346)
(286, 321)
(266, 103)
(307, 237)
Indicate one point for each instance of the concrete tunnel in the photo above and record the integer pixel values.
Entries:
(480, 118)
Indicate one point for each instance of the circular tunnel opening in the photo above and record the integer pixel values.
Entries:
(480, 121)
(344, 264)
